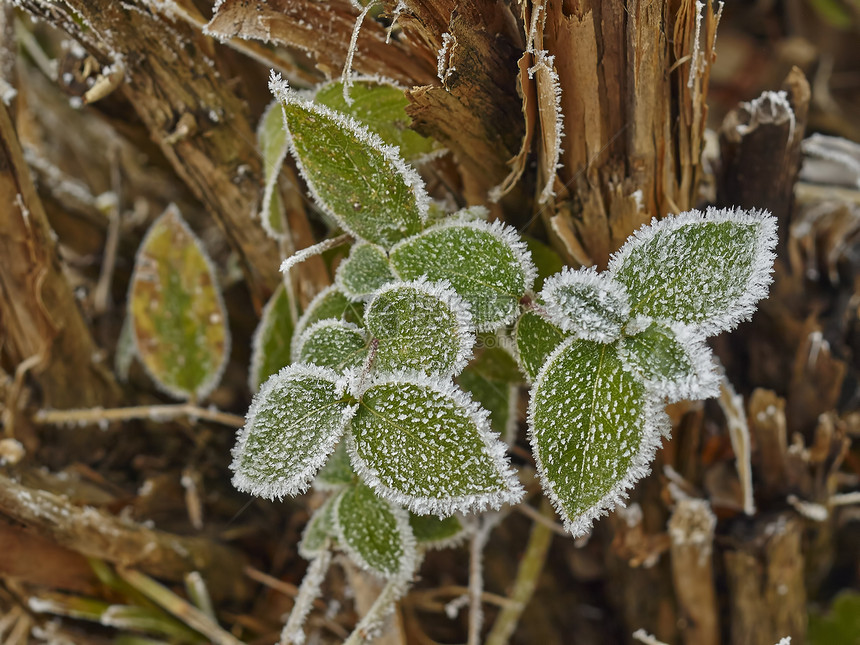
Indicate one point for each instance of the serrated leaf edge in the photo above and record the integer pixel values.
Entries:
(588, 277)
(299, 341)
(284, 94)
(443, 291)
(303, 480)
(207, 386)
(498, 229)
(656, 425)
(703, 383)
(338, 276)
(496, 450)
(760, 276)
(409, 559)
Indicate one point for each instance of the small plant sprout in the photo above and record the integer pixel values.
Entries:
(385, 402)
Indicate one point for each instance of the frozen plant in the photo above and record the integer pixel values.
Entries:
(377, 397)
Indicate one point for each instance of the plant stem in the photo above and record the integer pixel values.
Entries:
(151, 412)
(369, 625)
(528, 573)
(309, 591)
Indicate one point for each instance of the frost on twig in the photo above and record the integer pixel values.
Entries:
(444, 68)
(293, 632)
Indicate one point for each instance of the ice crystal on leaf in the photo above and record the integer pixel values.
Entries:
(420, 326)
(586, 304)
(293, 425)
(332, 343)
(487, 264)
(424, 444)
(375, 533)
(331, 302)
(380, 104)
(592, 428)
(364, 271)
(671, 361)
(370, 190)
(703, 269)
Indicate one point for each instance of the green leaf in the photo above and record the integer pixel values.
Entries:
(364, 271)
(178, 319)
(587, 304)
(352, 174)
(592, 429)
(331, 302)
(424, 444)
(375, 533)
(272, 142)
(381, 106)
(536, 338)
(704, 269)
(319, 530)
(337, 472)
(420, 326)
(433, 532)
(672, 362)
(293, 425)
(840, 625)
(487, 264)
(270, 350)
(493, 381)
(546, 260)
(332, 343)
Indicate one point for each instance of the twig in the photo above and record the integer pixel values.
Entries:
(152, 412)
(309, 592)
(369, 625)
(425, 598)
(528, 573)
(182, 609)
(644, 637)
(739, 433)
(535, 515)
(101, 294)
(476, 575)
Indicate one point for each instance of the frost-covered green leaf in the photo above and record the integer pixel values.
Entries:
(593, 430)
(704, 269)
(337, 471)
(272, 142)
(270, 350)
(319, 530)
(293, 425)
(673, 362)
(178, 320)
(420, 326)
(351, 172)
(332, 343)
(536, 338)
(493, 381)
(424, 444)
(331, 302)
(381, 106)
(364, 271)
(375, 533)
(587, 304)
(432, 532)
(487, 264)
